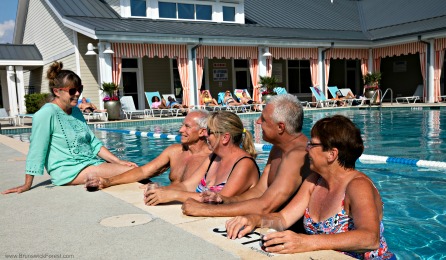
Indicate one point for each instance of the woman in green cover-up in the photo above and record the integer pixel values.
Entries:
(61, 141)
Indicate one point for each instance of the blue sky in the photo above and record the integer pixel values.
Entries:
(7, 20)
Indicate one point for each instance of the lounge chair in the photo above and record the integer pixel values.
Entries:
(238, 93)
(129, 109)
(280, 91)
(21, 118)
(223, 105)
(5, 116)
(416, 96)
(206, 106)
(442, 98)
(156, 111)
(321, 100)
(93, 115)
(345, 95)
(175, 110)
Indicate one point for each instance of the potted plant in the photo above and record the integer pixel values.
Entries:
(371, 84)
(111, 100)
(268, 85)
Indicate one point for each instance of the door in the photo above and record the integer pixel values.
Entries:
(130, 85)
(242, 80)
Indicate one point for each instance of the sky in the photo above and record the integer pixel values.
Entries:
(8, 9)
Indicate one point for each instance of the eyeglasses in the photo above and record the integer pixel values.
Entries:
(72, 90)
(311, 145)
(209, 132)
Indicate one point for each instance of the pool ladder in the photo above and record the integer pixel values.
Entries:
(382, 96)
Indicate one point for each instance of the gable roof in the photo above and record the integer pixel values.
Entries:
(20, 54)
(279, 22)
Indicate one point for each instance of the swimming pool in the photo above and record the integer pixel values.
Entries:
(414, 211)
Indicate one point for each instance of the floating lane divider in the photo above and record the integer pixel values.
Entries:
(365, 158)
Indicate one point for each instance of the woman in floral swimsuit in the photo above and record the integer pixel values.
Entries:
(339, 204)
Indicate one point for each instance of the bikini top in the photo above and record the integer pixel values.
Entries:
(202, 186)
(207, 99)
(229, 100)
(340, 223)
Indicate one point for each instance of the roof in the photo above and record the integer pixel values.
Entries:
(278, 21)
(19, 52)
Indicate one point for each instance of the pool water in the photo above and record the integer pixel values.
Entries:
(414, 198)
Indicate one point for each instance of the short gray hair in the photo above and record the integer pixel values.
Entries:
(202, 117)
(288, 110)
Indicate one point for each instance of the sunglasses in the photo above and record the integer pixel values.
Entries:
(73, 90)
(209, 132)
(311, 145)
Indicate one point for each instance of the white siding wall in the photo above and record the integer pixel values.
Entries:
(44, 29)
(89, 70)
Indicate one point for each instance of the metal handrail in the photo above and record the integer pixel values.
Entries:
(373, 97)
(391, 96)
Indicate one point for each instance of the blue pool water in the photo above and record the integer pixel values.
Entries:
(414, 198)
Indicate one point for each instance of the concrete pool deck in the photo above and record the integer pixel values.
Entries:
(67, 222)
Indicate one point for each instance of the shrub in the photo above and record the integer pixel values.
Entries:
(34, 102)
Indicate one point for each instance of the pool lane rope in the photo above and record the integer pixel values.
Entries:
(365, 158)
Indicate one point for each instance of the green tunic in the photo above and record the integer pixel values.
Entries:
(62, 143)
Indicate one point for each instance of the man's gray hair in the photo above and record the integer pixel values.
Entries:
(288, 110)
(202, 117)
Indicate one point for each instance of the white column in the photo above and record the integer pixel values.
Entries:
(430, 79)
(370, 61)
(262, 62)
(12, 92)
(320, 67)
(105, 68)
(20, 89)
(4, 83)
(193, 93)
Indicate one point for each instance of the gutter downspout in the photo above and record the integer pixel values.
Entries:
(429, 87)
(194, 69)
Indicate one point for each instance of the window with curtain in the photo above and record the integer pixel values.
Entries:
(228, 14)
(138, 8)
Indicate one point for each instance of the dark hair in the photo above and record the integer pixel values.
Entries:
(341, 133)
(59, 78)
(153, 98)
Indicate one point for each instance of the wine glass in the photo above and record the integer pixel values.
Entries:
(151, 186)
(92, 182)
(268, 225)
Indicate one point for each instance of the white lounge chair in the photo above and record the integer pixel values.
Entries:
(129, 109)
(5, 116)
(414, 98)
(238, 93)
(158, 111)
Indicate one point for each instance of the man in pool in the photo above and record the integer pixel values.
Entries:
(182, 159)
(286, 168)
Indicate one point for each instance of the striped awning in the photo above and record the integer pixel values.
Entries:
(397, 50)
(228, 52)
(293, 53)
(136, 50)
(347, 54)
(440, 44)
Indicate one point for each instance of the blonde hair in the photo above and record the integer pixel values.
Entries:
(59, 78)
(228, 122)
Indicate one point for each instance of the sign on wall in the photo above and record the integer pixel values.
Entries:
(399, 66)
(277, 71)
(220, 74)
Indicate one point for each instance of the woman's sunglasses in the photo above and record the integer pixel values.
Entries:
(73, 90)
(209, 132)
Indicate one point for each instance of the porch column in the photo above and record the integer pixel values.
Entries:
(320, 67)
(20, 89)
(105, 69)
(430, 75)
(262, 63)
(370, 61)
(12, 92)
(192, 71)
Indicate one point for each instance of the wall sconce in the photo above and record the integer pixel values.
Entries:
(91, 48)
(266, 52)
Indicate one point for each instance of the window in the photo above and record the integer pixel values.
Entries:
(228, 14)
(299, 76)
(204, 12)
(185, 11)
(167, 10)
(138, 7)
